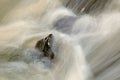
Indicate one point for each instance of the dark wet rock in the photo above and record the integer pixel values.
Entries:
(45, 45)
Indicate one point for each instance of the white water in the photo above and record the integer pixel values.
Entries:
(85, 49)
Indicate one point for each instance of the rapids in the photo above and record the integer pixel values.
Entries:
(86, 40)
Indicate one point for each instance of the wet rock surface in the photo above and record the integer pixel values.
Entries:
(45, 45)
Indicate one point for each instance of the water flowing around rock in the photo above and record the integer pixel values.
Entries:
(86, 42)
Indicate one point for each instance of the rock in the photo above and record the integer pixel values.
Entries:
(45, 45)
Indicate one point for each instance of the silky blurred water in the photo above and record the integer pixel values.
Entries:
(86, 39)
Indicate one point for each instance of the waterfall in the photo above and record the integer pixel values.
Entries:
(85, 44)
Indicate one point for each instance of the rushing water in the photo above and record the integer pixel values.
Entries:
(86, 39)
